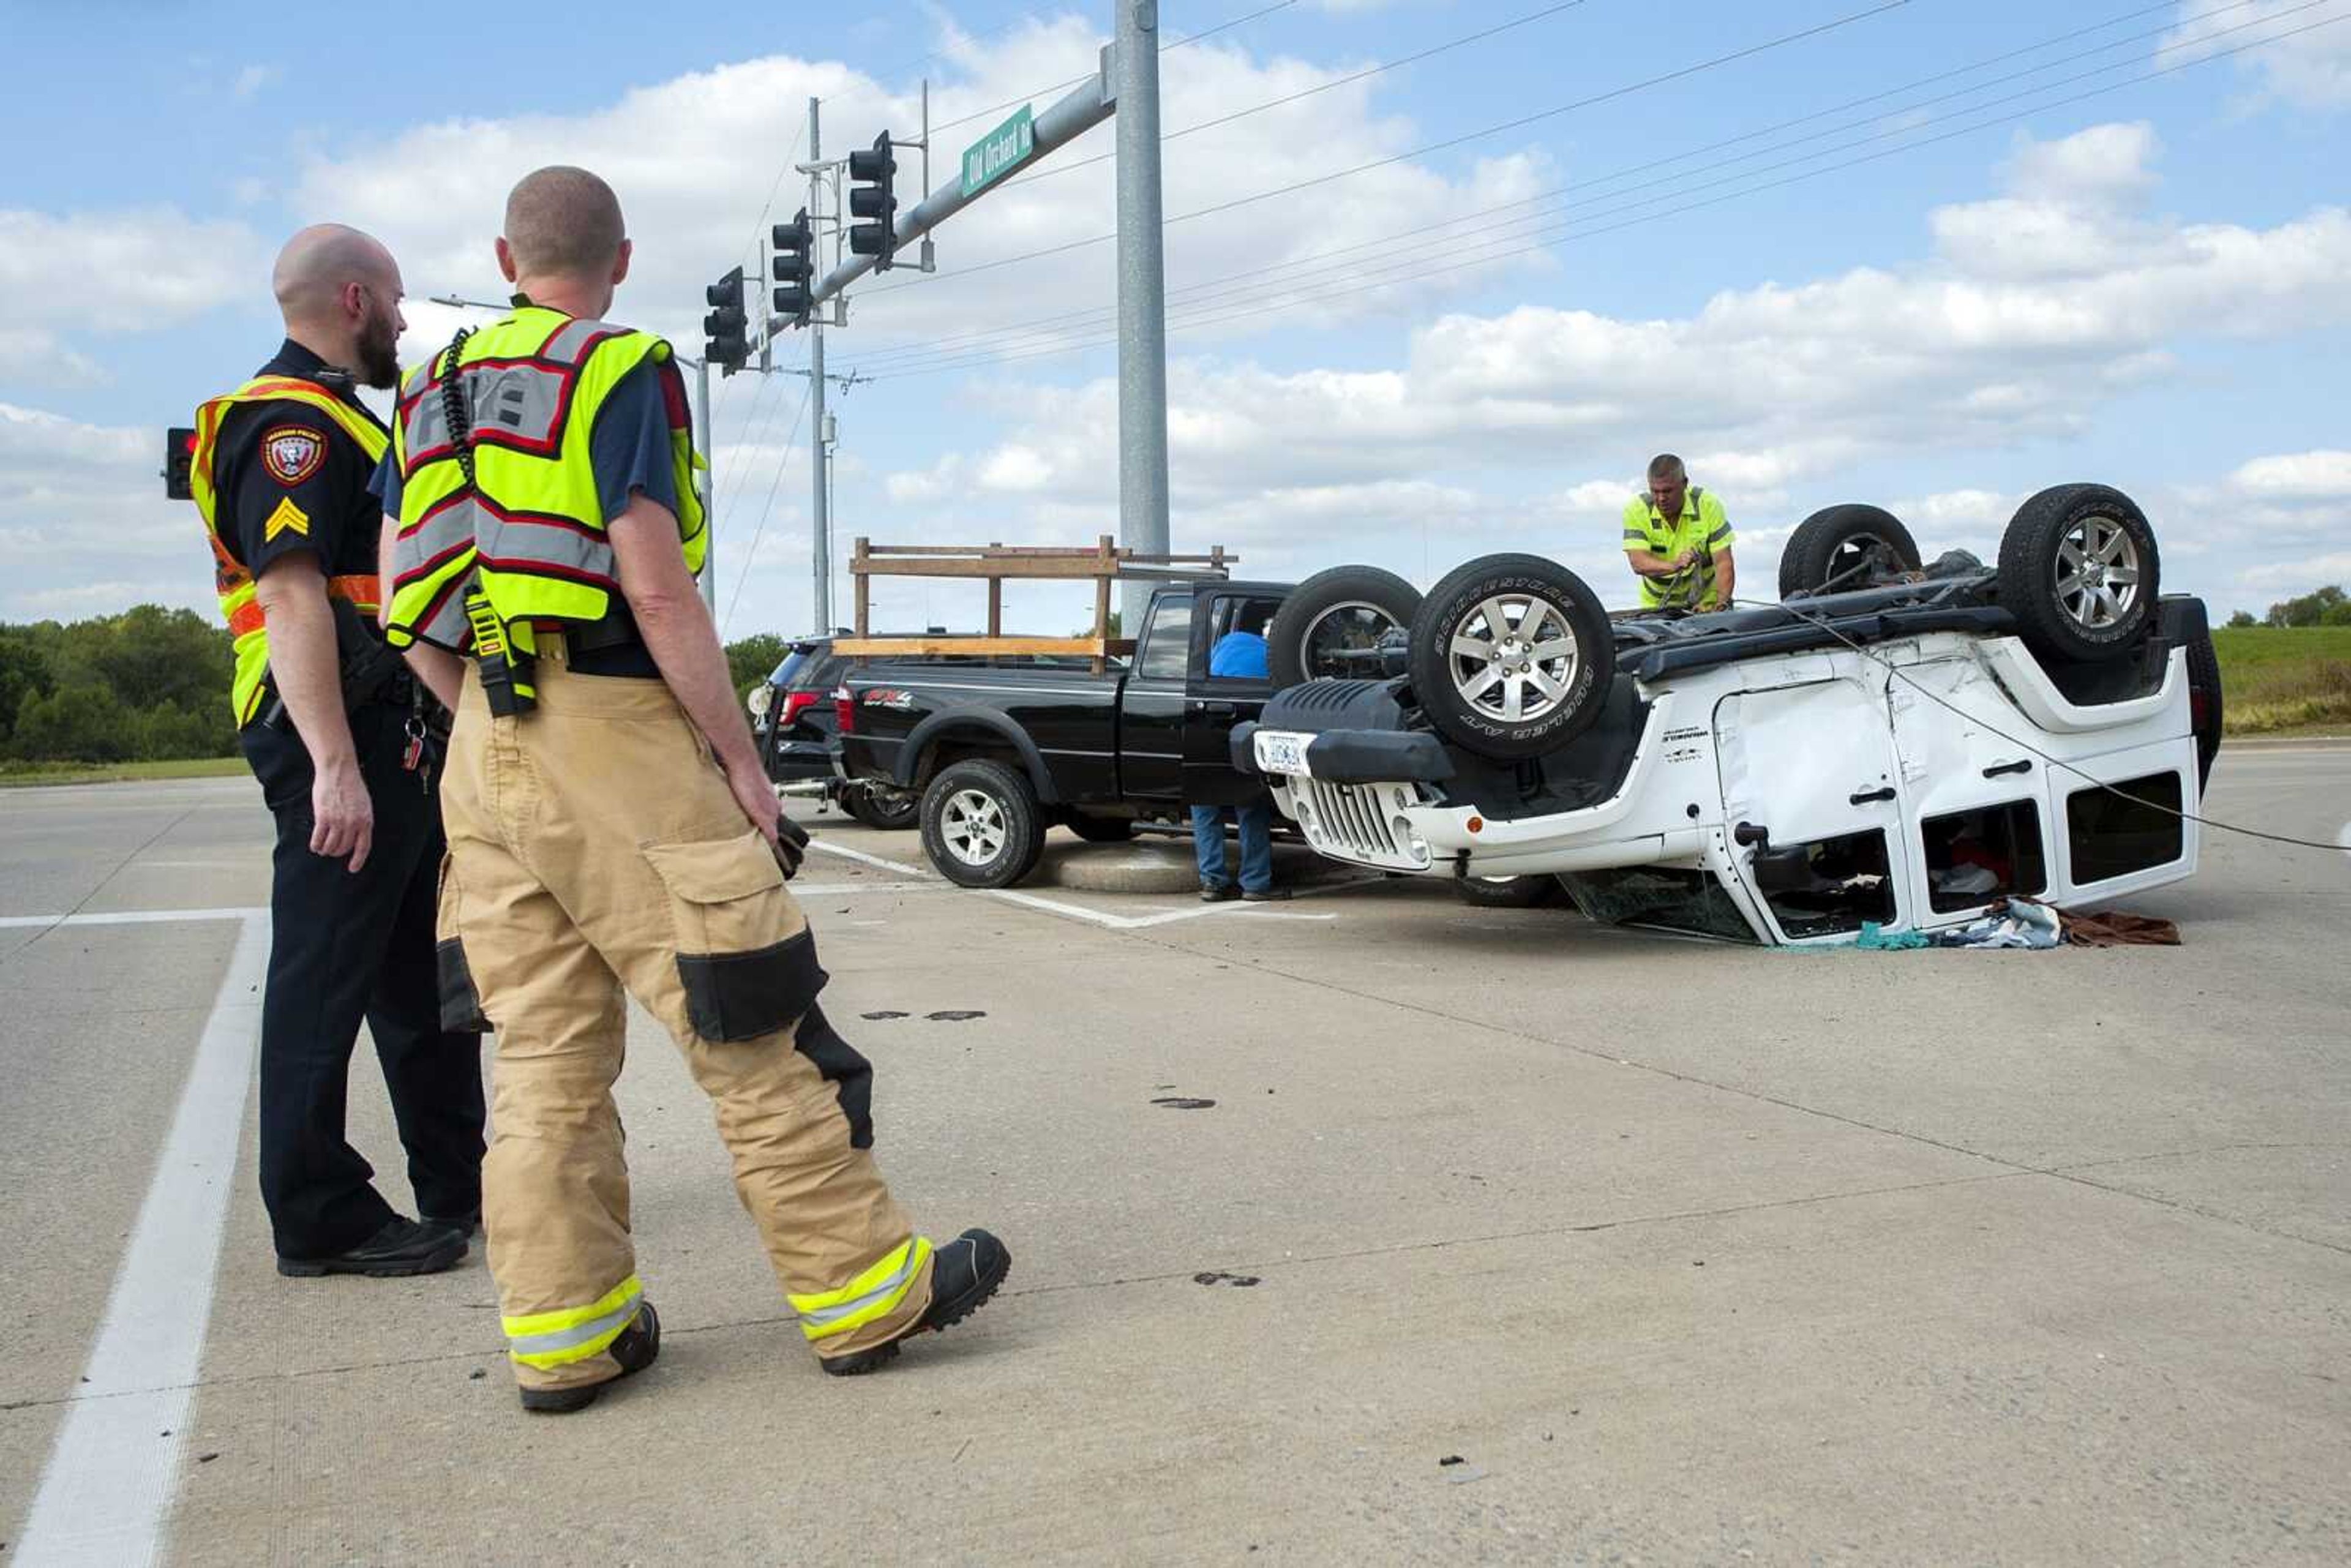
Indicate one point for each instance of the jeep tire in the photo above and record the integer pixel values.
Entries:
(1493, 684)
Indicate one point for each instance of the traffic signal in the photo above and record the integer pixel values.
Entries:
(179, 457)
(873, 177)
(795, 268)
(726, 329)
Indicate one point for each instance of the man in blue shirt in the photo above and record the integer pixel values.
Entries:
(1240, 654)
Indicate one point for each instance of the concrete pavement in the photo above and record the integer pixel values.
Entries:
(1680, 1252)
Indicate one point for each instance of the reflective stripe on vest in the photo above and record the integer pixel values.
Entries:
(573, 1334)
(531, 528)
(873, 1294)
(239, 606)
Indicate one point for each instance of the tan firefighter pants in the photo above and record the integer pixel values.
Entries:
(593, 848)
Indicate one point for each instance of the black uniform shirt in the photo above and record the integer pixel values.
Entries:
(291, 479)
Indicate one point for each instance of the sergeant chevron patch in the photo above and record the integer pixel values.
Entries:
(292, 454)
(287, 518)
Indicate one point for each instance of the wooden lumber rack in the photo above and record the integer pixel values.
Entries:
(996, 564)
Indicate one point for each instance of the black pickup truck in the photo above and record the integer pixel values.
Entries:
(1000, 754)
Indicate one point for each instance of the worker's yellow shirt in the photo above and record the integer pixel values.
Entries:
(1701, 529)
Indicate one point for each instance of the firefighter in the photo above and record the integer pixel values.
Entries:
(1677, 541)
(612, 831)
(333, 729)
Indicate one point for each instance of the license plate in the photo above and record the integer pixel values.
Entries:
(1279, 752)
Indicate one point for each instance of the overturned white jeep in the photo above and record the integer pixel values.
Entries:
(1889, 744)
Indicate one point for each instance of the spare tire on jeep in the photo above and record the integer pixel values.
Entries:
(2078, 571)
(1511, 657)
(1852, 546)
(1345, 610)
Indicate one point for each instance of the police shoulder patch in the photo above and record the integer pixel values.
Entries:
(292, 453)
(287, 518)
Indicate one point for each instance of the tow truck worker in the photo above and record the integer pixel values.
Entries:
(279, 473)
(1677, 541)
(612, 831)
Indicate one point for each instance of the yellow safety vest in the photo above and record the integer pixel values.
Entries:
(1701, 529)
(238, 605)
(528, 530)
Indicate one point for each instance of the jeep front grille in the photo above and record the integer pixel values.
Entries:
(1346, 821)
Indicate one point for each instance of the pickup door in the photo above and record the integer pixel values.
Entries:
(1151, 708)
(1176, 719)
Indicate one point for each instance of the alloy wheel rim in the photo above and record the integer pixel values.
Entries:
(1514, 657)
(973, 826)
(2097, 573)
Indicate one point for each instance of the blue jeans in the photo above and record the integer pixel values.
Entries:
(1256, 843)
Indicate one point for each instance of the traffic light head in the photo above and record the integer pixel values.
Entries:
(726, 328)
(179, 459)
(795, 268)
(872, 196)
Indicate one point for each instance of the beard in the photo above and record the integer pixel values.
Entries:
(378, 353)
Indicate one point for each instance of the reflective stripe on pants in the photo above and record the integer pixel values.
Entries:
(873, 1294)
(573, 1334)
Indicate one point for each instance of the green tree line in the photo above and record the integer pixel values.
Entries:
(150, 684)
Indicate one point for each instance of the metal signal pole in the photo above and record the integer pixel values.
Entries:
(1142, 296)
(820, 505)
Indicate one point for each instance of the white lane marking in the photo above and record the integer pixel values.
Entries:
(845, 889)
(134, 917)
(115, 1464)
(2344, 838)
(1099, 917)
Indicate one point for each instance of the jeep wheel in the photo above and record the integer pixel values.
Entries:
(1840, 547)
(879, 806)
(1511, 657)
(1345, 610)
(981, 825)
(1506, 892)
(2078, 571)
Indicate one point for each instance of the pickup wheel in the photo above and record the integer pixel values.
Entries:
(1345, 610)
(879, 806)
(1511, 657)
(1845, 547)
(981, 825)
(1101, 830)
(1506, 892)
(2078, 571)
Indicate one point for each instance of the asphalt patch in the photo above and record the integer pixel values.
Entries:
(955, 1015)
(1218, 1277)
(1183, 1103)
(884, 1013)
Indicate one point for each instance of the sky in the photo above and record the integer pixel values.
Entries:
(1935, 255)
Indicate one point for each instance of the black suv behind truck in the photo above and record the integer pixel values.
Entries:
(998, 755)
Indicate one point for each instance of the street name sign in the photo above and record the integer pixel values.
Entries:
(1000, 151)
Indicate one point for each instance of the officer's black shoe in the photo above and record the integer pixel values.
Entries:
(634, 1347)
(401, 1246)
(964, 1274)
(1218, 893)
(468, 1224)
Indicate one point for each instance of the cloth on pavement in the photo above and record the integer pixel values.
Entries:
(2113, 928)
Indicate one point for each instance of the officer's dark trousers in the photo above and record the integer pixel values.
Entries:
(346, 947)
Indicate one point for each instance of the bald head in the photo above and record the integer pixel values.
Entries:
(340, 292)
(564, 223)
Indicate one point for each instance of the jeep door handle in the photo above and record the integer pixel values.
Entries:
(1871, 797)
(2021, 765)
(1221, 710)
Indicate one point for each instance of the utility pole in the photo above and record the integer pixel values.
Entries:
(1142, 299)
(819, 509)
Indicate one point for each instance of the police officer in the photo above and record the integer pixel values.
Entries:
(1677, 541)
(327, 720)
(610, 830)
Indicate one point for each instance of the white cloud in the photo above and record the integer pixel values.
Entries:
(63, 278)
(2310, 69)
(84, 526)
(252, 80)
(2302, 477)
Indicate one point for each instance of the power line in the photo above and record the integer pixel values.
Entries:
(925, 347)
(949, 363)
(1088, 76)
(768, 506)
(1053, 170)
(1781, 42)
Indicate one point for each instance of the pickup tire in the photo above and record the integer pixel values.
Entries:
(1845, 547)
(1507, 891)
(1511, 657)
(981, 825)
(880, 806)
(2078, 571)
(1346, 607)
(1101, 830)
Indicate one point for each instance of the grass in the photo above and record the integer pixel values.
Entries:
(22, 774)
(2286, 679)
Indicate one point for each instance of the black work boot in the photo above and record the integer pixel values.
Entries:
(401, 1246)
(1218, 893)
(964, 1274)
(468, 1225)
(634, 1347)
